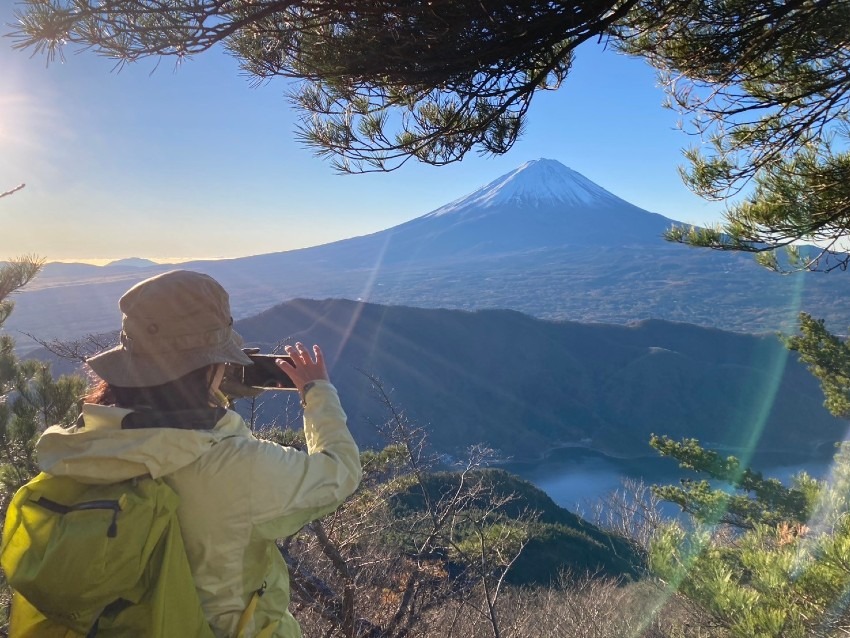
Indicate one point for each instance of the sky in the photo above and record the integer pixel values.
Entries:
(193, 161)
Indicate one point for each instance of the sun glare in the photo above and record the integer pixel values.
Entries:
(26, 124)
(14, 122)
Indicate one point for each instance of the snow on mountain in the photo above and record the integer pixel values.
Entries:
(535, 183)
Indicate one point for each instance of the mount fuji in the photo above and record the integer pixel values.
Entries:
(541, 204)
(542, 239)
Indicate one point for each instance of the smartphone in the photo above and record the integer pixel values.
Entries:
(265, 373)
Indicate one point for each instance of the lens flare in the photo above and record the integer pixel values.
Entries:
(751, 425)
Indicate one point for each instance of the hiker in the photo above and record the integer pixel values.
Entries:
(158, 411)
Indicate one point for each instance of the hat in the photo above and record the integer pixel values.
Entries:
(173, 323)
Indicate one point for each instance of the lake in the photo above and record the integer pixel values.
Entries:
(576, 478)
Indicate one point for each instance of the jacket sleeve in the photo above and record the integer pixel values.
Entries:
(290, 488)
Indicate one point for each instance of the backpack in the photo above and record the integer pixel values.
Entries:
(106, 559)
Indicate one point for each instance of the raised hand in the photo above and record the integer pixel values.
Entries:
(304, 368)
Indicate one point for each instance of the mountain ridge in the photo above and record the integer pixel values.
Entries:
(524, 386)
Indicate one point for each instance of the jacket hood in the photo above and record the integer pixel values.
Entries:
(99, 451)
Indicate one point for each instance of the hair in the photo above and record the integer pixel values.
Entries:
(191, 391)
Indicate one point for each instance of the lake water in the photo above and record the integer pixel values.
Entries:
(576, 478)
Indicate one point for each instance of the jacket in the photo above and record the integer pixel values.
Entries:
(238, 494)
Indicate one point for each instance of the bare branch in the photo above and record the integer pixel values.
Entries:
(13, 190)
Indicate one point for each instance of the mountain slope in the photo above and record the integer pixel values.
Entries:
(541, 204)
(523, 385)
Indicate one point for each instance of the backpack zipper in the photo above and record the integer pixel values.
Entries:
(105, 504)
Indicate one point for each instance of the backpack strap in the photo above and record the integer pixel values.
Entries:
(248, 614)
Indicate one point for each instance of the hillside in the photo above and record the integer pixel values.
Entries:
(560, 541)
(524, 385)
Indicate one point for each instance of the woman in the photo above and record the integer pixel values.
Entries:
(158, 411)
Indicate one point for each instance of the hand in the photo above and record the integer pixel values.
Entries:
(303, 369)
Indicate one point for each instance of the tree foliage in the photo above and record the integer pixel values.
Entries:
(765, 85)
(380, 81)
(752, 500)
(14, 275)
(764, 572)
(761, 558)
(772, 582)
(766, 559)
(828, 359)
(30, 399)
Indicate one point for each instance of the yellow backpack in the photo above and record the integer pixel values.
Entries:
(98, 560)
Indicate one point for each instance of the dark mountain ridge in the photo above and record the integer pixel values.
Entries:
(524, 385)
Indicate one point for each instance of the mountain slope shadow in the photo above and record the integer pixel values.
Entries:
(524, 385)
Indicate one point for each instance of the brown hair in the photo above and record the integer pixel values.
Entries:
(191, 391)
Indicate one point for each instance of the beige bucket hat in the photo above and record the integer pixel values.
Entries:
(173, 323)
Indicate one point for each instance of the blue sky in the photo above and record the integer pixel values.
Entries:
(194, 162)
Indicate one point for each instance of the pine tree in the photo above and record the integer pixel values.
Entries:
(770, 577)
(382, 82)
(765, 559)
(30, 399)
(748, 498)
(765, 86)
(764, 83)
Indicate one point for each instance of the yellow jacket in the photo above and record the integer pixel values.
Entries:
(237, 494)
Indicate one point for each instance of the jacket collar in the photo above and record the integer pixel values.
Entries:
(100, 451)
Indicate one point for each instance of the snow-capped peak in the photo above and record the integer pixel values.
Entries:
(537, 182)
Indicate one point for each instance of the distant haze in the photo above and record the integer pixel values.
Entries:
(106, 261)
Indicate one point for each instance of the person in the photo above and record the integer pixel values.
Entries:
(158, 411)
